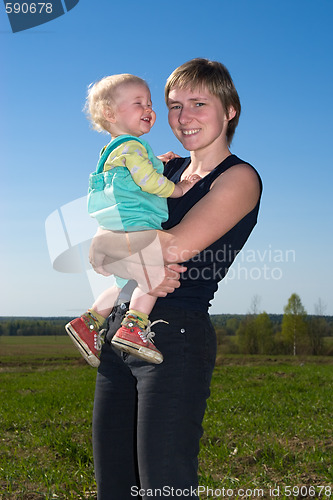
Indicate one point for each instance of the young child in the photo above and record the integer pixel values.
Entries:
(126, 193)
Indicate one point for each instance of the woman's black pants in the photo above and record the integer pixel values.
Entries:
(147, 418)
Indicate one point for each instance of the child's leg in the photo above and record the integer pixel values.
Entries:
(84, 331)
(141, 305)
(105, 302)
(135, 336)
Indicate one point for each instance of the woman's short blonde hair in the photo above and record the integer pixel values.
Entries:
(101, 95)
(215, 77)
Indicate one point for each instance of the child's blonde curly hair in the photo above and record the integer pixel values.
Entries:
(100, 96)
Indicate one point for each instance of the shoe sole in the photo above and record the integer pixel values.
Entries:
(138, 352)
(90, 357)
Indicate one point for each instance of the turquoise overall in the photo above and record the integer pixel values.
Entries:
(117, 202)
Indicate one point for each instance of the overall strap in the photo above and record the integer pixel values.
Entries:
(110, 147)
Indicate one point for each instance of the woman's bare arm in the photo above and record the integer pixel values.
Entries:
(232, 196)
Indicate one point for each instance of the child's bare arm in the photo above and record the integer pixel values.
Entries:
(183, 186)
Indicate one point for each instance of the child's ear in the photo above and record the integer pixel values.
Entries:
(108, 114)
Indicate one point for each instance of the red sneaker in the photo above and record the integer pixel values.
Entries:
(86, 338)
(134, 340)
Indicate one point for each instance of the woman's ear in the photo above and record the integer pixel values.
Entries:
(109, 114)
(231, 113)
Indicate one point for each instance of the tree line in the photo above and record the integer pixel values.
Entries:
(33, 326)
(292, 333)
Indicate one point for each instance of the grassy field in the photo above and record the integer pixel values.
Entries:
(268, 426)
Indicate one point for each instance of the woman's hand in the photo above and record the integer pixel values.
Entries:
(145, 265)
(170, 155)
(170, 281)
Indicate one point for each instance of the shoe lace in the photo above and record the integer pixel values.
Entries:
(98, 335)
(100, 339)
(147, 333)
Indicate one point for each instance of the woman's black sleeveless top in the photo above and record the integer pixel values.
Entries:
(204, 271)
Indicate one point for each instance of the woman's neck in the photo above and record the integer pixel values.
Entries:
(203, 163)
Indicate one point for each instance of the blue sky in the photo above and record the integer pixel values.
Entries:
(279, 53)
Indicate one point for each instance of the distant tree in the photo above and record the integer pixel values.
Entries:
(320, 307)
(318, 328)
(247, 336)
(294, 326)
(12, 328)
(250, 332)
(221, 333)
(231, 326)
(264, 333)
(255, 302)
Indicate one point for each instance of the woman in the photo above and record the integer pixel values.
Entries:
(147, 418)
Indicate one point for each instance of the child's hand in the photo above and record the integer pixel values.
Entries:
(168, 156)
(183, 186)
(192, 178)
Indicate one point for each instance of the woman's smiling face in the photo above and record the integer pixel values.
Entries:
(197, 118)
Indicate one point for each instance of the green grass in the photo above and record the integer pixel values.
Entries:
(268, 424)
(37, 351)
